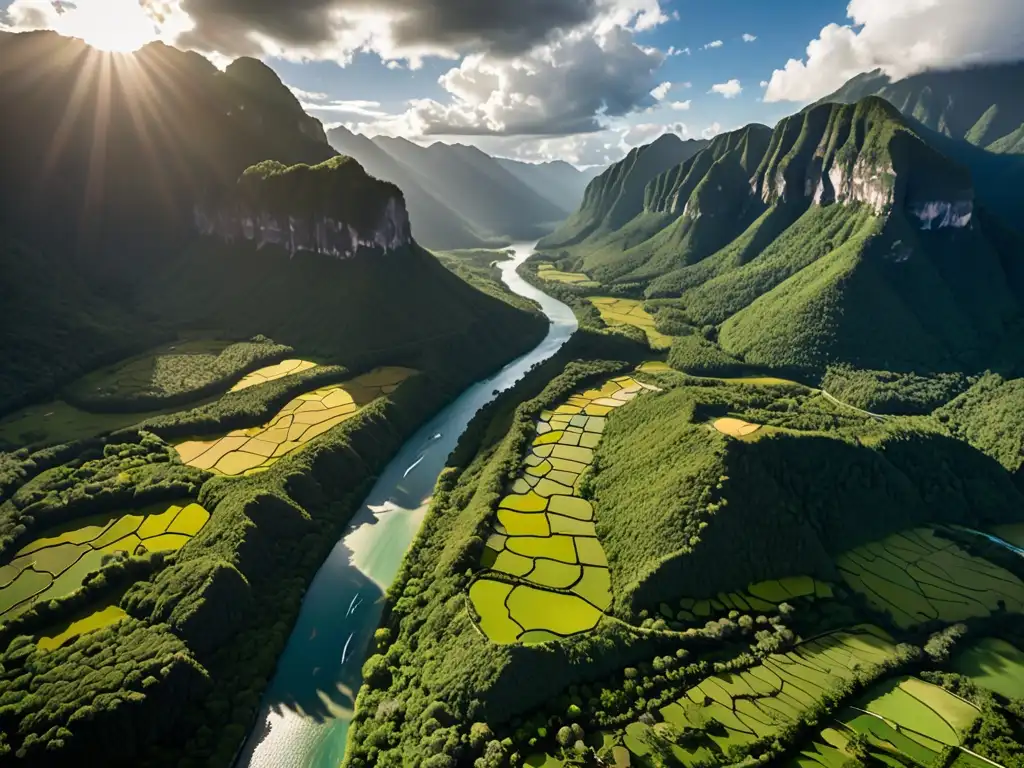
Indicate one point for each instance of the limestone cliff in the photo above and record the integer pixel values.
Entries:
(334, 208)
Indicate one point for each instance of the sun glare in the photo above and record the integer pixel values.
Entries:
(116, 26)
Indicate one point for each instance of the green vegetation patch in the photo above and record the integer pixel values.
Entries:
(545, 536)
(616, 312)
(923, 708)
(993, 664)
(546, 271)
(248, 451)
(917, 576)
(96, 620)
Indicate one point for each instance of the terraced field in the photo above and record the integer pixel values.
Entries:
(763, 597)
(735, 427)
(99, 619)
(630, 312)
(994, 664)
(247, 451)
(55, 566)
(734, 709)
(917, 576)
(555, 578)
(901, 718)
(547, 271)
(273, 373)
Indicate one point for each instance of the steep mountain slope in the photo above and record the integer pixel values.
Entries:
(142, 196)
(979, 104)
(617, 195)
(460, 197)
(811, 243)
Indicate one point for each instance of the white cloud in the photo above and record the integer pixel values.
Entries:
(303, 95)
(730, 89)
(661, 91)
(673, 51)
(714, 44)
(357, 107)
(680, 106)
(749, 38)
(645, 133)
(711, 131)
(686, 85)
(764, 83)
(902, 38)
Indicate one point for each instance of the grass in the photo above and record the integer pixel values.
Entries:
(248, 451)
(544, 533)
(914, 705)
(994, 664)
(630, 312)
(55, 566)
(735, 427)
(547, 271)
(916, 577)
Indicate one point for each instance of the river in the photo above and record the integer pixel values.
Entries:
(306, 709)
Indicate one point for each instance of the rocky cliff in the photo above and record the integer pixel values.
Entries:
(334, 208)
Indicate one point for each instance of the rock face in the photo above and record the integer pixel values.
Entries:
(334, 209)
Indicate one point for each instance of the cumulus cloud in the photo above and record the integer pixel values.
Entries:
(714, 44)
(902, 38)
(572, 85)
(711, 131)
(749, 38)
(645, 133)
(680, 106)
(730, 89)
(764, 83)
(661, 91)
(673, 51)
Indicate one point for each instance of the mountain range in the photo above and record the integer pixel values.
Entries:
(461, 197)
(844, 234)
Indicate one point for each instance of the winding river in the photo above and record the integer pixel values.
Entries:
(306, 709)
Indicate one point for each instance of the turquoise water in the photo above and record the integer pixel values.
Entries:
(303, 719)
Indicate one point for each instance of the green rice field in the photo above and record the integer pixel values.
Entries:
(248, 451)
(630, 312)
(54, 566)
(763, 597)
(917, 576)
(993, 664)
(736, 709)
(547, 271)
(554, 574)
(904, 718)
(99, 619)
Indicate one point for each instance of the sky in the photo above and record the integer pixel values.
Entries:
(578, 80)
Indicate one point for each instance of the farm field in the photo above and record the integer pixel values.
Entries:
(903, 718)
(555, 578)
(547, 271)
(247, 451)
(756, 702)
(630, 312)
(993, 664)
(763, 597)
(735, 427)
(96, 620)
(54, 566)
(273, 373)
(917, 576)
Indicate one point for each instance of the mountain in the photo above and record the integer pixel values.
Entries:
(812, 243)
(617, 194)
(461, 197)
(980, 104)
(141, 196)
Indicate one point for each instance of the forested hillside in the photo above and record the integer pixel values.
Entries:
(806, 245)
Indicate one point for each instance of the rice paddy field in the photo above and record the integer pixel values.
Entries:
(547, 271)
(630, 312)
(993, 664)
(903, 718)
(763, 597)
(55, 565)
(273, 373)
(98, 619)
(554, 578)
(248, 451)
(756, 703)
(917, 576)
(735, 427)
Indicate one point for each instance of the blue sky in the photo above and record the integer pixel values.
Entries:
(581, 80)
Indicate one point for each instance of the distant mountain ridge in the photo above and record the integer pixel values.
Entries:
(980, 104)
(461, 197)
(812, 243)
